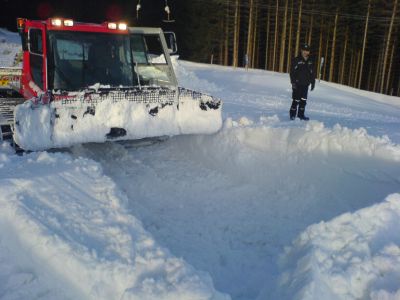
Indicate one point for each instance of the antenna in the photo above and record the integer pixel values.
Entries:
(168, 11)
(138, 7)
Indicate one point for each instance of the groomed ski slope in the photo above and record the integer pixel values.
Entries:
(264, 209)
(230, 203)
(65, 233)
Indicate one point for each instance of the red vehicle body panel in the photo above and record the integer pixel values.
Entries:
(29, 88)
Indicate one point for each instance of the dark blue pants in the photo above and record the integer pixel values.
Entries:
(299, 96)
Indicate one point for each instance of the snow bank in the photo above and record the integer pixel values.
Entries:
(354, 256)
(10, 46)
(268, 135)
(189, 79)
(7, 36)
(76, 125)
(64, 234)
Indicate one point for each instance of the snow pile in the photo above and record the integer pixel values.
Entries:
(354, 256)
(269, 136)
(314, 137)
(76, 125)
(10, 46)
(65, 234)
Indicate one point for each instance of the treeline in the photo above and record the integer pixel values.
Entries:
(355, 43)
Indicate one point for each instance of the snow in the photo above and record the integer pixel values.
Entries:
(10, 46)
(189, 79)
(74, 126)
(65, 234)
(354, 256)
(266, 208)
(242, 195)
(393, 100)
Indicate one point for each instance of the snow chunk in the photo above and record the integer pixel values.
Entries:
(269, 119)
(243, 121)
(354, 256)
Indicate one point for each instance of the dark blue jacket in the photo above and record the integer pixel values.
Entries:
(302, 72)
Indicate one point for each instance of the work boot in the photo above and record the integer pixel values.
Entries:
(293, 110)
(304, 118)
(292, 114)
(302, 108)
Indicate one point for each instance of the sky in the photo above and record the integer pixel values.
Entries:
(151, 14)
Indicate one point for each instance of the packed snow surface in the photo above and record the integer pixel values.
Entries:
(65, 234)
(264, 209)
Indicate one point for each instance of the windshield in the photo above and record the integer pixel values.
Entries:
(81, 59)
(151, 66)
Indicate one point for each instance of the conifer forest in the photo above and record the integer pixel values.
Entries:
(355, 43)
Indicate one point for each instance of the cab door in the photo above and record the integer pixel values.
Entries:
(152, 63)
(35, 62)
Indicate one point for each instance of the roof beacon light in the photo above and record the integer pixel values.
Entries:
(56, 22)
(20, 23)
(112, 25)
(68, 23)
(122, 26)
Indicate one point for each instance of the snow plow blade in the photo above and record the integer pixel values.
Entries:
(105, 114)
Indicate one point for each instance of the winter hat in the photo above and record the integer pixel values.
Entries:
(305, 46)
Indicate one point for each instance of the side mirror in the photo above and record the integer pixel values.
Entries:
(24, 41)
(172, 45)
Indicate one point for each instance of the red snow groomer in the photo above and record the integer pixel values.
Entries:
(83, 82)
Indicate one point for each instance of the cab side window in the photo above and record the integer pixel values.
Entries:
(36, 56)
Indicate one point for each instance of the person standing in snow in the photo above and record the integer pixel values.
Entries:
(302, 75)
